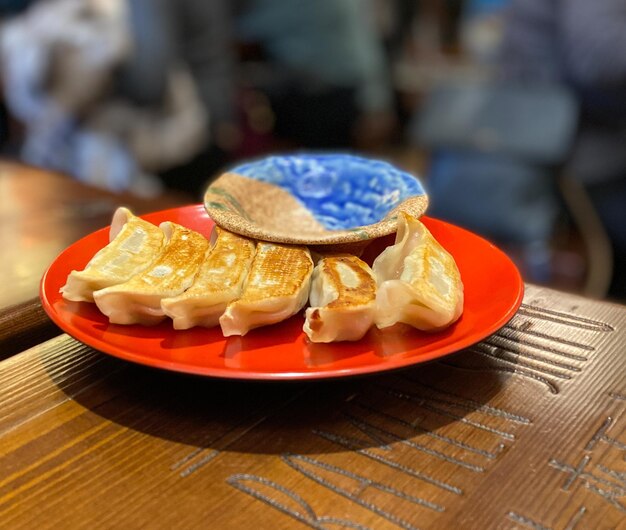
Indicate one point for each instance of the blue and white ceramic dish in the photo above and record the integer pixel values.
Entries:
(314, 199)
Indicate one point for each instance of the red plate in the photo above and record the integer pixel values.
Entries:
(493, 292)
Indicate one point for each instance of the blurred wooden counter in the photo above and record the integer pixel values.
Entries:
(41, 213)
(524, 430)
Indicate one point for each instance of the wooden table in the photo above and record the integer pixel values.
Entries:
(525, 430)
(41, 213)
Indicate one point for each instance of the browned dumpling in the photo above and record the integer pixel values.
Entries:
(219, 282)
(342, 298)
(138, 300)
(277, 287)
(133, 245)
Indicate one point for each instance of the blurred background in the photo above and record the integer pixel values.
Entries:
(512, 112)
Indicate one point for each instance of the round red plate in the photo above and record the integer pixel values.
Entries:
(493, 292)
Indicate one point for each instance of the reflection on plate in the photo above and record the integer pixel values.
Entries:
(314, 199)
(493, 292)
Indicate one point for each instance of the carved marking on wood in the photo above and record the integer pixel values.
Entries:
(500, 354)
(186, 458)
(600, 478)
(371, 430)
(192, 462)
(436, 436)
(529, 353)
(423, 402)
(294, 462)
(525, 328)
(307, 516)
(199, 463)
(354, 444)
(621, 476)
(579, 472)
(566, 319)
(503, 343)
(520, 519)
(206, 451)
(526, 521)
(576, 518)
(593, 482)
(468, 403)
(505, 369)
(503, 336)
(609, 496)
(574, 472)
(521, 368)
(600, 435)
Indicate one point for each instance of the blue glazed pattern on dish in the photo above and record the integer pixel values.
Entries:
(341, 191)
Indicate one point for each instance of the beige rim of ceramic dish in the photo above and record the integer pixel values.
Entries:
(264, 211)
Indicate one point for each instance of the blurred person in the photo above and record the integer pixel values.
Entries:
(421, 40)
(327, 80)
(202, 32)
(482, 29)
(581, 44)
(68, 76)
(421, 29)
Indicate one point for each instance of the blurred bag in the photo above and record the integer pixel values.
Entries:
(494, 150)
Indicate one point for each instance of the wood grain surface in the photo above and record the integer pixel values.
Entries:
(24, 325)
(525, 430)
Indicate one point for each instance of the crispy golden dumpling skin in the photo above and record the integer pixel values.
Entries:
(133, 245)
(276, 288)
(138, 300)
(219, 282)
(342, 298)
(419, 282)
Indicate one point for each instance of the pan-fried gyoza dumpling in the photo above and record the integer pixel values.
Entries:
(219, 282)
(418, 280)
(133, 246)
(343, 295)
(276, 288)
(138, 300)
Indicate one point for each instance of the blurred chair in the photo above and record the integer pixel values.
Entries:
(497, 153)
